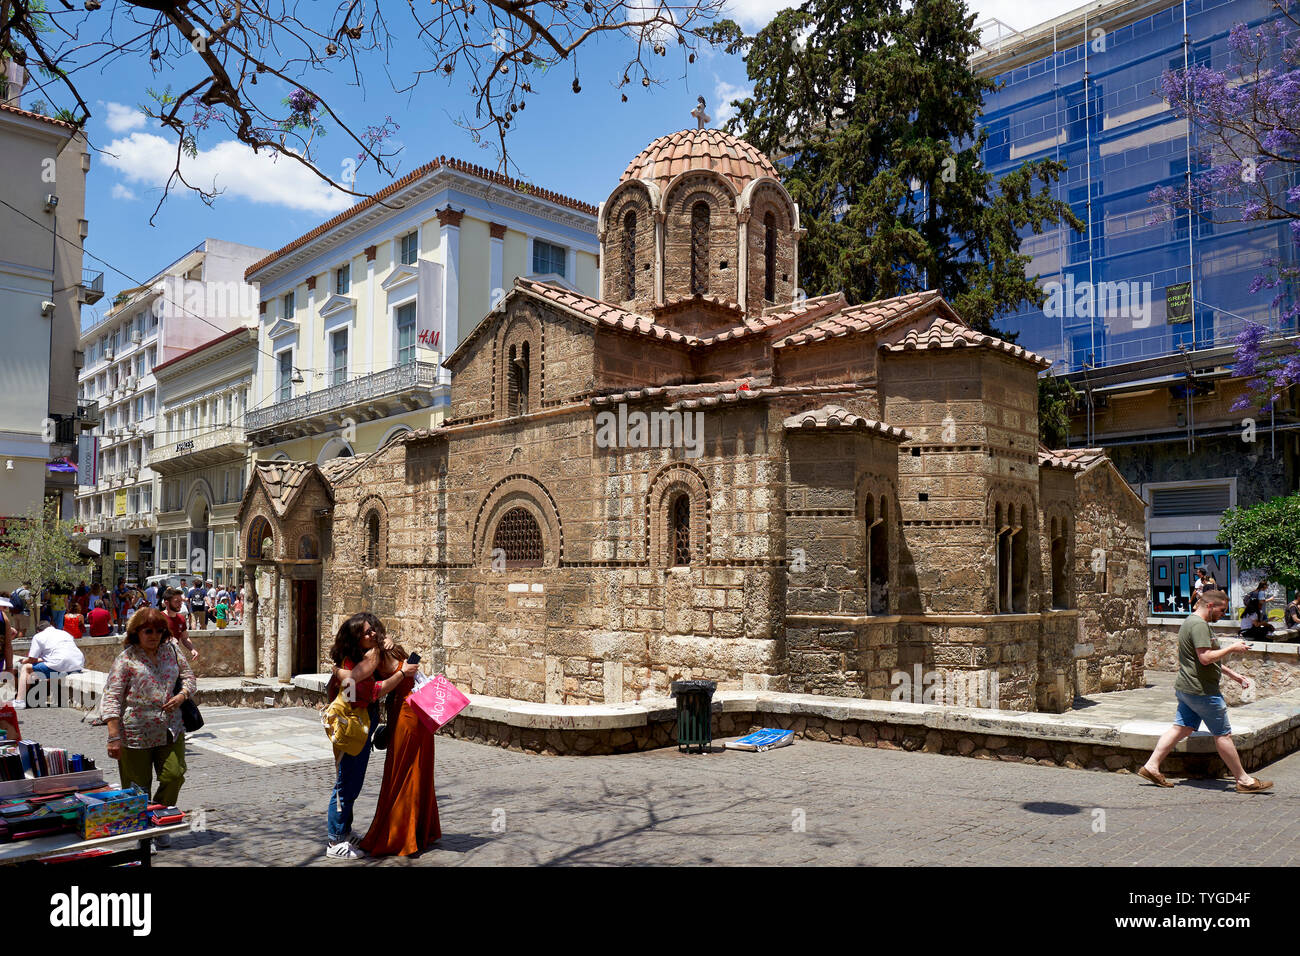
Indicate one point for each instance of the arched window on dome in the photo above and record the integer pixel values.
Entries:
(629, 253)
(700, 248)
(769, 257)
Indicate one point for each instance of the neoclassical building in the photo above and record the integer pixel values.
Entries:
(701, 474)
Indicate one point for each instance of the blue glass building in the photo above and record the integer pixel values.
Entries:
(1084, 89)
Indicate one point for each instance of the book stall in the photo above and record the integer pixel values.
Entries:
(55, 807)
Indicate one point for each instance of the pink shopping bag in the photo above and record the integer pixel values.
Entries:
(436, 702)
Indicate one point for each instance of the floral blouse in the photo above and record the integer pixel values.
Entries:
(136, 690)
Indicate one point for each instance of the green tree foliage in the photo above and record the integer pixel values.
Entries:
(1055, 396)
(38, 548)
(1266, 536)
(878, 104)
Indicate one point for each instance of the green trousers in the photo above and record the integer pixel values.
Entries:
(138, 767)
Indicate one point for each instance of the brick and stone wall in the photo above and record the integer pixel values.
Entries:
(1274, 665)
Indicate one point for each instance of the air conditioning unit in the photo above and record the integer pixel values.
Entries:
(137, 337)
(130, 383)
(133, 471)
(108, 355)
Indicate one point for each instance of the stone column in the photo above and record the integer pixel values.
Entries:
(659, 258)
(250, 621)
(283, 640)
(742, 262)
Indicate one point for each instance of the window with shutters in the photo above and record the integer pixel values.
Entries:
(519, 539)
(700, 248)
(1193, 500)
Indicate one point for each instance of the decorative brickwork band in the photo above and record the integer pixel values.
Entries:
(311, 283)
(371, 252)
(495, 229)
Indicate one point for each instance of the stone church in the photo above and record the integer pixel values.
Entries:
(704, 474)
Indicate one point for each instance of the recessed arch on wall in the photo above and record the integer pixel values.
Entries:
(876, 506)
(679, 492)
(519, 492)
(393, 433)
(336, 447)
(259, 540)
(519, 372)
(372, 532)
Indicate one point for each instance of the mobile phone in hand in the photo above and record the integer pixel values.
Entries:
(414, 658)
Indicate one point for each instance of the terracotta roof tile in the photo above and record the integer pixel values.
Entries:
(944, 334)
(1070, 459)
(868, 317)
(714, 394)
(469, 169)
(837, 417)
(807, 311)
(670, 156)
(5, 107)
(282, 480)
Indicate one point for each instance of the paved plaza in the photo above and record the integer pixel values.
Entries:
(263, 778)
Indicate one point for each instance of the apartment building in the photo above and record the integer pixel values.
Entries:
(43, 165)
(357, 315)
(200, 455)
(198, 297)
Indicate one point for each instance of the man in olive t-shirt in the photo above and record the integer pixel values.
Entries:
(1199, 700)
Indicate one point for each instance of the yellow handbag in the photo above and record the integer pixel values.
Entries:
(346, 725)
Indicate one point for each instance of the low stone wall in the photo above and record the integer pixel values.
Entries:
(1066, 741)
(221, 652)
(1274, 666)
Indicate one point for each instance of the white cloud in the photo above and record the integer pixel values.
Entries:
(755, 14)
(122, 192)
(122, 119)
(148, 160)
(723, 94)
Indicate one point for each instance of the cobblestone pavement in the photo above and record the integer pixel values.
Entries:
(856, 806)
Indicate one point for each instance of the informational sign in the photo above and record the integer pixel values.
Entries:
(87, 459)
(119, 503)
(1173, 575)
(119, 556)
(1178, 303)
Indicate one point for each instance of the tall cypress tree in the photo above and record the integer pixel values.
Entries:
(877, 104)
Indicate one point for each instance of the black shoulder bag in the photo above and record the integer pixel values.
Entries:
(190, 715)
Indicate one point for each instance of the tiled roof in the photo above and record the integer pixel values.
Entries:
(282, 481)
(37, 116)
(868, 317)
(338, 468)
(1071, 459)
(943, 334)
(416, 174)
(837, 417)
(712, 394)
(583, 306)
(809, 310)
(670, 156)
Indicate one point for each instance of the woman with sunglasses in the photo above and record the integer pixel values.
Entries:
(145, 731)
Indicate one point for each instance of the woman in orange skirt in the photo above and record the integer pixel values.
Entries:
(406, 820)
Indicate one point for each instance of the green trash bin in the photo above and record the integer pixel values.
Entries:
(694, 714)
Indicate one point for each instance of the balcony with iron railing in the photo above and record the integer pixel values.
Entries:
(364, 398)
(178, 451)
(91, 286)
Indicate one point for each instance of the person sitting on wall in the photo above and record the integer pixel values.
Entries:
(1254, 625)
(1291, 616)
(53, 652)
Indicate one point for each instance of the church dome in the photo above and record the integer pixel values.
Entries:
(669, 156)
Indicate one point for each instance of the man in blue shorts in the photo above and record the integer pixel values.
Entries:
(1197, 689)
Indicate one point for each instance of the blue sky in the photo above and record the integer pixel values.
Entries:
(576, 144)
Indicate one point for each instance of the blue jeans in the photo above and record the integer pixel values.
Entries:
(348, 781)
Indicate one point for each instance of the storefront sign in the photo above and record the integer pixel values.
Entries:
(187, 445)
(119, 503)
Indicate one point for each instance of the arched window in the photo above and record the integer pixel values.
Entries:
(877, 556)
(372, 540)
(769, 257)
(517, 383)
(1060, 592)
(700, 248)
(679, 532)
(260, 543)
(1002, 530)
(1020, 563)
(629, 253)
(518, 540)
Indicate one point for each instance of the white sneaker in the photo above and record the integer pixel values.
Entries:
(343, 851)
(20, 705)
